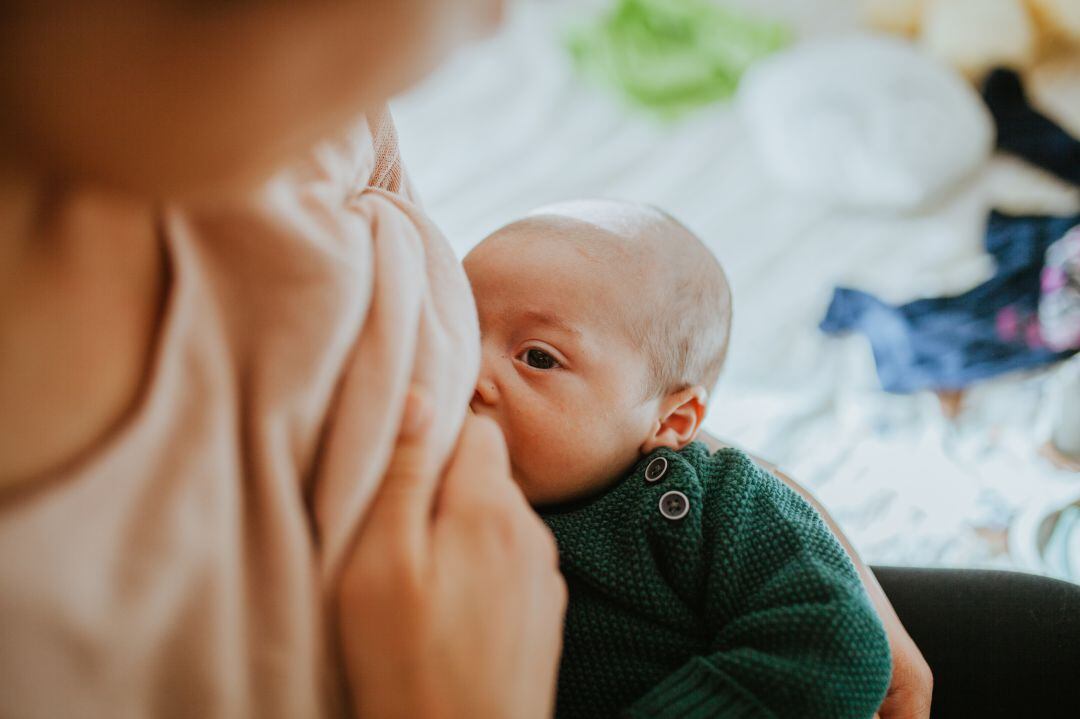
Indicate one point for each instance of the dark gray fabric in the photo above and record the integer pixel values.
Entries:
(1000, 644)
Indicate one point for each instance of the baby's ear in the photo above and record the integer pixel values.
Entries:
(679, 420)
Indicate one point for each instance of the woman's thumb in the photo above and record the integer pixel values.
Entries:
(402, 504)
(416, 418)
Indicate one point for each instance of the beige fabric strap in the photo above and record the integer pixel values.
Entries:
(387, 174)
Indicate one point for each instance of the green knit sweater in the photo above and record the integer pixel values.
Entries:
(745, 606)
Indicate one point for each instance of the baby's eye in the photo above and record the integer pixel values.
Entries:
(539, 359)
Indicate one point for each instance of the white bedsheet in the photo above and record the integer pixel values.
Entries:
(507, 126)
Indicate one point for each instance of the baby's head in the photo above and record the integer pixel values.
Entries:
(604, 327)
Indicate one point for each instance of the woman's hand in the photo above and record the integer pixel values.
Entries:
(452, 603)
(912, 685)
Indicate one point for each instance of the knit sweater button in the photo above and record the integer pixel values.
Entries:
(674, 505)
(656, 470)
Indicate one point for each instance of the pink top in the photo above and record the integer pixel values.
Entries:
(185, 566)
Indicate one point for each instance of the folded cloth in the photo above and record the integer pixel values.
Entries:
(1024, 131)
(673, 55)
(864, 121)
(950, 342)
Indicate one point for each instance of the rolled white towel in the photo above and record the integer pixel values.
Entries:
(864, 121)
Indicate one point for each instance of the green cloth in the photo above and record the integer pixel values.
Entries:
(673, 55)
(746, 607)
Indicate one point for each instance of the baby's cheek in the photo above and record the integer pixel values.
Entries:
(556, 460)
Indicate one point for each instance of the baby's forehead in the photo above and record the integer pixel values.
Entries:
(634, 245)
(574, 269)
(556, 249)
(607, 241)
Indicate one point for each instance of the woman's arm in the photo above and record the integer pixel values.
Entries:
(912, 683)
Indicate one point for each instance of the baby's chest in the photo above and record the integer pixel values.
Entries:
(623, 633)
(636, 564)
(639, 615)
(637, 587)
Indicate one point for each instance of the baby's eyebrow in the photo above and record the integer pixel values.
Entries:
(550, 320)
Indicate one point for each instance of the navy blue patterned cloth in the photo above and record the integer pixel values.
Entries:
(950, 342)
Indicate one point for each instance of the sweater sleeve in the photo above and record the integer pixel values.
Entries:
(793, 633)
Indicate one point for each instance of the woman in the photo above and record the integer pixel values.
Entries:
(221, 351)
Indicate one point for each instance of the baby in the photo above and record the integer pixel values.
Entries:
(700, 585)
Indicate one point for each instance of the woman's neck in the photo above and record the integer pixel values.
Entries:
(42, 218)
(82, 277)
(18, 203)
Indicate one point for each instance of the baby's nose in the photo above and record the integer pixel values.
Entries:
(486, 393)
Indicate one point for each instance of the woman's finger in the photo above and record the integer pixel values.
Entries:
(481, 444)
(402, 506)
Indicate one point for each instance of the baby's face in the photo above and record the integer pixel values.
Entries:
(560, 372)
